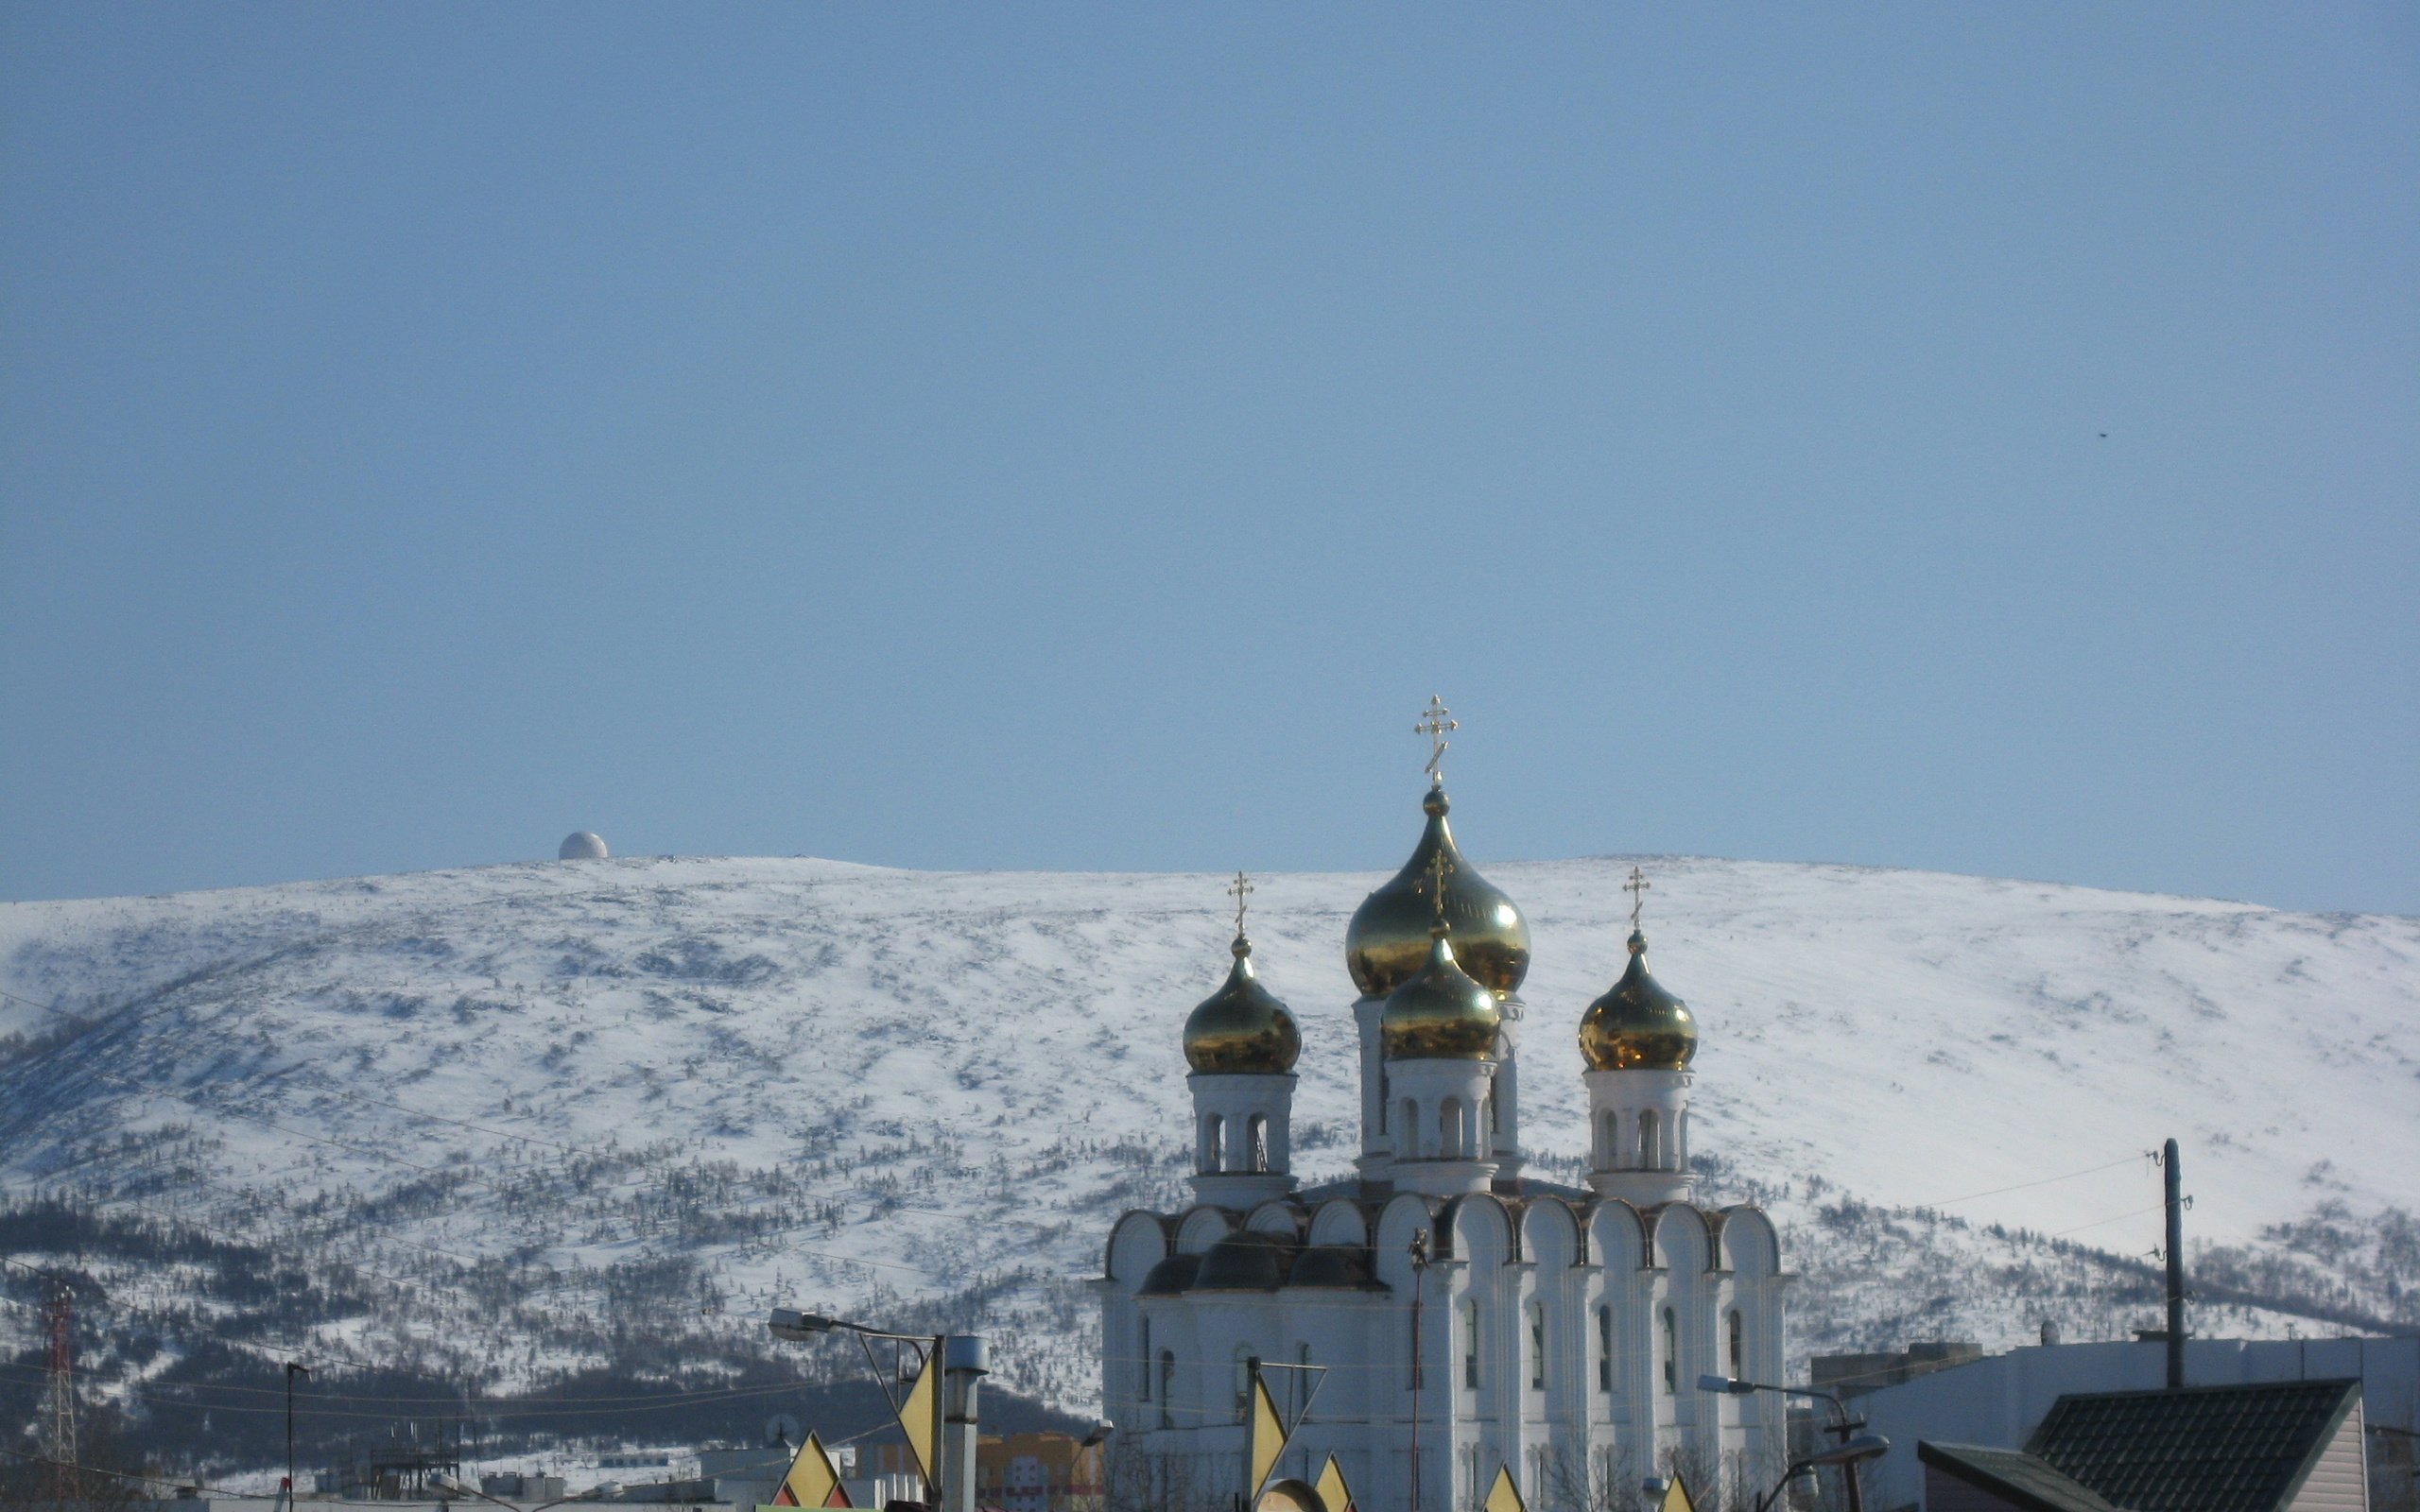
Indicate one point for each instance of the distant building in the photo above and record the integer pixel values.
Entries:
(1015, 1472)
(1999, 1402)
(1854, 1375)
(581, 845)
(2280, 1447)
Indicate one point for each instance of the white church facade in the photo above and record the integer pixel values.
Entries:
(1458, 1316)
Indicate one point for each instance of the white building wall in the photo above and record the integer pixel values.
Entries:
(1566, 1437)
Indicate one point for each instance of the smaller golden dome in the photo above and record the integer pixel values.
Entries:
(1241, 1028)
(1637, 1027)
(1440, 1014)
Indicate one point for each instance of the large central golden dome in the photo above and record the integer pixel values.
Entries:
(1387, 942)
(1637, 1027)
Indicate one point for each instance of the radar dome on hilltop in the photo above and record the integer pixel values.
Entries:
(582, 845)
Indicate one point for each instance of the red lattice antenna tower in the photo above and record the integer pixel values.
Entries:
(58, 1412)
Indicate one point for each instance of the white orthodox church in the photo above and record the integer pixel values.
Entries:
(1459, 1316)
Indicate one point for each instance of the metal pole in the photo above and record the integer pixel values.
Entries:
(965, 1360)
(292, 1369)
(1419, 1296)
(2175, 1270)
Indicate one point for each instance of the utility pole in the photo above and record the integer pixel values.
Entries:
(2175, 1269)
(58, 1411)
(1419, 1278)
(292, 1369)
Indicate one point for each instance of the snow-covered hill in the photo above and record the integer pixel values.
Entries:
(715, 1084)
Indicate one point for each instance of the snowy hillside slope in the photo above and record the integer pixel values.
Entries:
(719, 1083)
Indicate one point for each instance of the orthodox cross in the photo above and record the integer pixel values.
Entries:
(1636, 888)
(1438, 865)
(1240, 890)
(1434, 723)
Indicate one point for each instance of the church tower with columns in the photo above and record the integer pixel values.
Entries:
(1436, 1315)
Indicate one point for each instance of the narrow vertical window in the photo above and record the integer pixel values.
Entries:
(1672, 1354)
(1604, 1349)
(1168, 1387)
(1651, 1149)
(1383, 1095)
(1244, 1362)
(1738, 1347)
(1259, 1131)
(1470, 1343)
(1408, 1131)
(1537, 1346)
(1302, 1380)
(1214, 1144)
(1146, 1361)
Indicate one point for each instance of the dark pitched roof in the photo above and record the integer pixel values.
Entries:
(2205, 1449)
(2013, 1476)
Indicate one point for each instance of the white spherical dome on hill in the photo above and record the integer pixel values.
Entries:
(582, 845)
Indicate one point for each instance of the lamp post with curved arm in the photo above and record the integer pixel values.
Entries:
(1842, 1427)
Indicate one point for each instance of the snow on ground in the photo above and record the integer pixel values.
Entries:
(977, 1071)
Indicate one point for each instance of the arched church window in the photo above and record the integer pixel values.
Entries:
(1214, 1144)
(1739, 1347)
(1470, 1342)
(1604, 1349)
(1449, 1130)
(1168, 1387)
(1681, 1140)
(1259, 1129)
(1494, 1115)
(1650, 1152)
(1408, 1131)
(1609, 1143)
(1672, 1354)
(1144, 1362)
(1386, 1090)
(1537, 1346)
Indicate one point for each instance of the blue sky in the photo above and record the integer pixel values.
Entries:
(1981, 438)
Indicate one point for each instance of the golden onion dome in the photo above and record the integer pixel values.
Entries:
(1388, 941)
(1637, 1027)
(1241, 1028)
(1442, 1014)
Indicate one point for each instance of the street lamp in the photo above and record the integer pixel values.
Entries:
(963, 1361)
(1842, 1426)
(1847, 1455)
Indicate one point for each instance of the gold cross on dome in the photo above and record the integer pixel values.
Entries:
(1636, 888)
(1240, 889)
(1434, 722)
(1437, 866)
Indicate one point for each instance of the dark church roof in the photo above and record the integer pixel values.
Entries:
(2205, 1449)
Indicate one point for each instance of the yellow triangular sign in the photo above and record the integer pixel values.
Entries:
(1334, 1496)
(813, 1480)
(1504, 1495)
(1264, 1439)
(1676, 1496)
(920, 1418)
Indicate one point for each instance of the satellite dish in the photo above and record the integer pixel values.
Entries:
(784, 1430)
